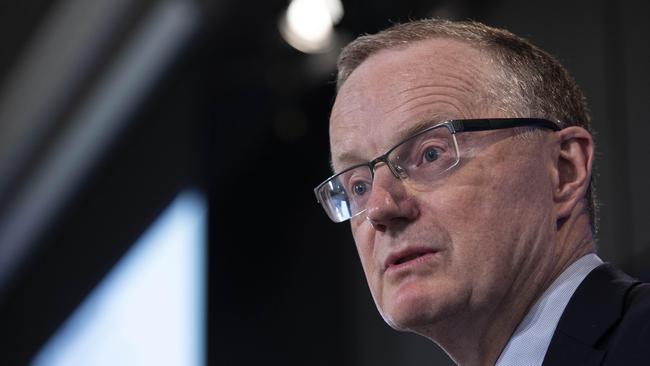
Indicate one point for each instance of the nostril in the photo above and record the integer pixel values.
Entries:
(376, 225)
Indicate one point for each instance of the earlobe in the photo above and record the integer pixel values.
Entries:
(574, 163)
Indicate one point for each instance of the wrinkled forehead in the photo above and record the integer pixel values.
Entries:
(429, 81)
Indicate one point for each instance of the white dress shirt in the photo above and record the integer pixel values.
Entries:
(531, 339)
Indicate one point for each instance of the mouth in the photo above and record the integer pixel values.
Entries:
(408, 256)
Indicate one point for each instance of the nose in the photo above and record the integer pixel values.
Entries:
(389, 204)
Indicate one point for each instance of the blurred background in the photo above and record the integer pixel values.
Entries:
(157, 161)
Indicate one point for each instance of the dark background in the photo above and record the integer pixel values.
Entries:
(243, 116)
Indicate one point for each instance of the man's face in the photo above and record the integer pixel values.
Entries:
(478, 238)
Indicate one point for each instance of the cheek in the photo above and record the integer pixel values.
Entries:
(364, 238)
(495, 194)
(484, 211)
(479, 261)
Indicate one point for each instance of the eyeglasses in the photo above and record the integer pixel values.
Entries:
(419, 158)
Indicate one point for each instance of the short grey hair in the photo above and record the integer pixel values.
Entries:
(529, 81)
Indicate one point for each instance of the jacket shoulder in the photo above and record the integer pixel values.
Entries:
(606, 322)
(630, 339)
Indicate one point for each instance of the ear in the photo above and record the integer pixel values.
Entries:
(573, 169)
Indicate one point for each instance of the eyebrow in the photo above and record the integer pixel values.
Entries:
(349, 159)
(416, 128)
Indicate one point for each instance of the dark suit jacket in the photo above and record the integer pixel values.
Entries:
(607, 322)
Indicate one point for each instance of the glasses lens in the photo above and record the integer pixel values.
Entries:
(345, 194)
(424, 156)
(419, 159)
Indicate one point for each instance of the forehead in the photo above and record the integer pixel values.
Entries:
(394, 89)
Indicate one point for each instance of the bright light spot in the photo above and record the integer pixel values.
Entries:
(308, 24)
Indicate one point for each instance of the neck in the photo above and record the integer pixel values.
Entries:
(478, 342)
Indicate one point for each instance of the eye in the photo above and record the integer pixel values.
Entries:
(360, 188)
(431, 154)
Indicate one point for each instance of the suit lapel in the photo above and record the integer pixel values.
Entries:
(596, 307)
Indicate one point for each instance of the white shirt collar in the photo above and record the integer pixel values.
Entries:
(531, 339)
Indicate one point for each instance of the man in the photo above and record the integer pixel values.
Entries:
(463, 161)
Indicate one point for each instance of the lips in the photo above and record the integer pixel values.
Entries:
(407, 258)
(406, 255)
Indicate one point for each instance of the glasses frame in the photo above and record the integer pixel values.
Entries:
(454, 126)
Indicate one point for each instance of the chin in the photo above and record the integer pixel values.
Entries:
(413, 309)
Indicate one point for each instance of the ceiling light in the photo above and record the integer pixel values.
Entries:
(308, 25)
